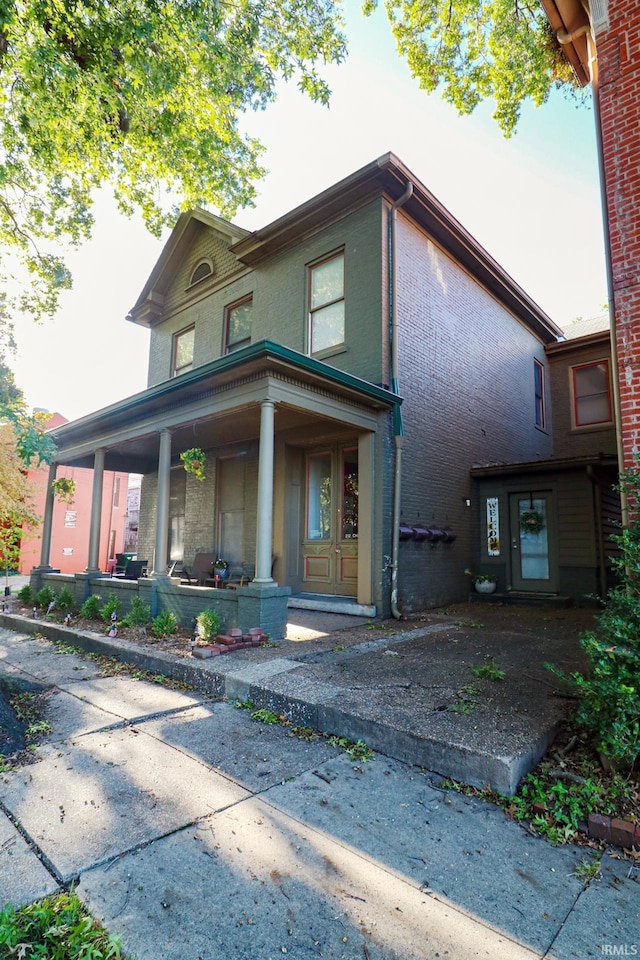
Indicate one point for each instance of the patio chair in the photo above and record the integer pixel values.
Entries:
(200, 570)
(135, 569)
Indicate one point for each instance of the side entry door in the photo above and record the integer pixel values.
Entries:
(533, 542)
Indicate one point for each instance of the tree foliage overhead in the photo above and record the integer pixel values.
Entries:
(476, 50)
(143, 96)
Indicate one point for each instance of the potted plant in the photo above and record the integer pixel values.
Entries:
(484, 582)
(194, 461)
(531, 521)
(64, 489)
(220, 569)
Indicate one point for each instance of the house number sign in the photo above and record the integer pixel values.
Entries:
(493, 527)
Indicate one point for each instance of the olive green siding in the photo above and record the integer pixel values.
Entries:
(579, 543)
(568, 441)
(280, 300)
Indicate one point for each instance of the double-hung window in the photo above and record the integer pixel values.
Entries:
(183, 351)
(238, 318)
(591, 394)
(326, 304)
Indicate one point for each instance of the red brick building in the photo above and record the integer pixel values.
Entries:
(604, 50)
(70, 528)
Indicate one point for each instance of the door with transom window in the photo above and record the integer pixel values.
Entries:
(330, 535)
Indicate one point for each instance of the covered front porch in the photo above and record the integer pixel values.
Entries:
(288, 496)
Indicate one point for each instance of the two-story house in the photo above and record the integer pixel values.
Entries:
(343, 369)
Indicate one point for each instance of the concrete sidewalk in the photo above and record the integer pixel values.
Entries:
(410, 693)
(195, 833)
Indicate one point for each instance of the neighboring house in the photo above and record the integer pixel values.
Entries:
(603, 49)
(343, 369)
(69, 550)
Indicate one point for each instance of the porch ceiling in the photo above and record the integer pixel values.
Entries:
(219, 403)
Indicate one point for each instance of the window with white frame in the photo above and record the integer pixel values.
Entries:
(238, 321)
(591, 394)
(538, 386)
(326, 304)
(183, 351)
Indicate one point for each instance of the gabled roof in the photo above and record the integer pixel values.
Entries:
(385, 177)
(186, 227)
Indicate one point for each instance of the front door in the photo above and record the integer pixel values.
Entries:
(330, 535)
(533, 554)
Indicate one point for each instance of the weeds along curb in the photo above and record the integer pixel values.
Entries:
(183, 670)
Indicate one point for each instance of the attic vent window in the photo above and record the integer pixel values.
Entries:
(204, 269)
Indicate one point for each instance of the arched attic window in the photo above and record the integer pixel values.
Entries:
(202, 270)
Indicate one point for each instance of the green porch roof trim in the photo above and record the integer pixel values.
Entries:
(261, 350)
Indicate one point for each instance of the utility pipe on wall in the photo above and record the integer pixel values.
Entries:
(398, 429)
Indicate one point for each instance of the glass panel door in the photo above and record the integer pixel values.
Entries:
(330, 538)
(533, 565)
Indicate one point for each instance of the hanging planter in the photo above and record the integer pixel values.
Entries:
(64, 489)
(193, 461)
(531, 521)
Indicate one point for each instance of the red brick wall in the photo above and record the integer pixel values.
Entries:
(619, 70)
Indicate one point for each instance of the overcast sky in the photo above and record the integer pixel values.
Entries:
(532, 201)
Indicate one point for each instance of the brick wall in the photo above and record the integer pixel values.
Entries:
(619, 69)
(466, 375)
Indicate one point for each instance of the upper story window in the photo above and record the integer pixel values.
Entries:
(183, 351)
(326, 304)
(238, 318)
(203, 269)
(538, 384)
(591, 394)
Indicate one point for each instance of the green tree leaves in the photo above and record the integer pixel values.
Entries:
(145, 97)
(479, 49)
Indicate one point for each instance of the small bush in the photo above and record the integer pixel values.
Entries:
(112, 605)
(90, 609)
(44, 597)
(25, 595)
(139, 615)
(608, 693)
(209, 623)
(64, 601)
(164, 624)
(58, 927)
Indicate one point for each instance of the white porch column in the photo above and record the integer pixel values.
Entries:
(162, 505)
(264, 533)
(47, 523)
(96, 511)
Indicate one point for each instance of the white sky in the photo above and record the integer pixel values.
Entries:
(533, 202)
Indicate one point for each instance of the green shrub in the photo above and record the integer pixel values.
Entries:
(112, 605)
(25, 595)
(139, 615)
(164, 624)
(64, 601)
(90, 609)
(209, 623)
(44, 597)
(609, 692)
